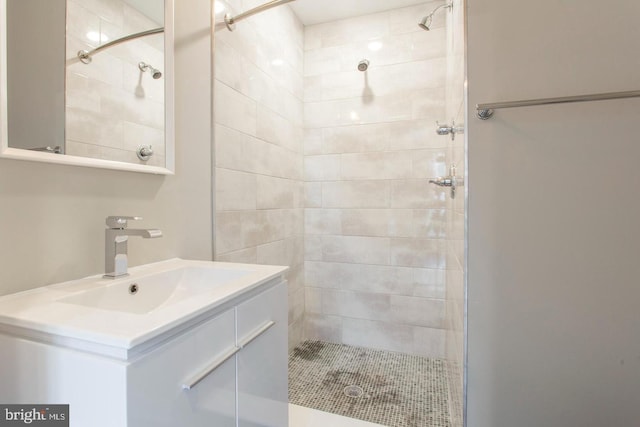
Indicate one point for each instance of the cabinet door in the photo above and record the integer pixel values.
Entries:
(262, 361)
(156, 396)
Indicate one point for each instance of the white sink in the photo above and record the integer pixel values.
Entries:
(148, 293)
(104, 316)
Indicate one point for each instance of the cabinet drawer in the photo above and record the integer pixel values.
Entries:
(156, 393)
(262, 362)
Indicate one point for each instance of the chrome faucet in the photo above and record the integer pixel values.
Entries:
(115, 245)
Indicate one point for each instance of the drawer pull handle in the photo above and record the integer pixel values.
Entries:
(188, 385)
(261, 330)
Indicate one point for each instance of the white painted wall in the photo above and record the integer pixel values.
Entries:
(553, 230)
(52, 216)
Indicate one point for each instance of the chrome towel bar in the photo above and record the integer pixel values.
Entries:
(485, 111)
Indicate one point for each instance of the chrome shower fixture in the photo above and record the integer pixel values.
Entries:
(155, 73)
(363, 65)
(85, 55)
(425, 23)
(452, 130)
(230, 21)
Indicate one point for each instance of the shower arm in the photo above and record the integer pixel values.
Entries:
(85, 56)
(230, 21)
(447, 5)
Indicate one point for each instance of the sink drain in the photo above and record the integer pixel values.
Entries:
(353, 391)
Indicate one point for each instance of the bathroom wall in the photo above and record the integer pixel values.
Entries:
(375, 230)
(553, 216)
(455, 112)
(258, 146)
(52, 216)
(112, 107)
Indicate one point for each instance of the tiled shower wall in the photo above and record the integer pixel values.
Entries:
(455, 111)
(375, 230)
(258, 145)
(111, 106)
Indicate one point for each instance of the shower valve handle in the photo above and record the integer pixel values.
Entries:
(443, 181)
(452, 181)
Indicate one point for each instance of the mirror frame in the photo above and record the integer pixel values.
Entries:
(21, 154)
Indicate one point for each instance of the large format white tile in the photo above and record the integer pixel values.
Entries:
(377, 222)
(358, 305)
(359, 277)
(235, 190)
(235, 110)
(360, 250)
(322, 168)
(356, 139)
(375, 228)
(356, 194)
(378, 165)
(377, 335)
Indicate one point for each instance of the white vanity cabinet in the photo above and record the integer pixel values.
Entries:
(155, 394)
(263, 362)
(227, 367)
(210, 355)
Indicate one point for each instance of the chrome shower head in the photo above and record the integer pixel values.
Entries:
(155, 73)
(425, 23)
(363, 65)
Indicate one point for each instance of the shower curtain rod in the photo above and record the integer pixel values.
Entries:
(85, 55)
(230, 21)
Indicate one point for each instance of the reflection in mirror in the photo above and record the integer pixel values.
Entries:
(113, 105)
(35, 71)
(107, 103)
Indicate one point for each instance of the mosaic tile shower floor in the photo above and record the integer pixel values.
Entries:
(399, 390)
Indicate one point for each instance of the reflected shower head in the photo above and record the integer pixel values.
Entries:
(155, 73)
(363, 65)
(425, 23)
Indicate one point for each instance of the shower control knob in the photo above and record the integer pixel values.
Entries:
(449, 130)
(452, 181)
(144, 152)
(442, 181)
(443, 129)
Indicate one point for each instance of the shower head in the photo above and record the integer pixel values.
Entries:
(155, 73)
(363, 65)
(425, 23)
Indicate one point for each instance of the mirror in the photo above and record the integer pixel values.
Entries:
(88, 82)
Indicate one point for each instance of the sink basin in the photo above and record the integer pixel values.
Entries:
(146, 294)
(120, 317)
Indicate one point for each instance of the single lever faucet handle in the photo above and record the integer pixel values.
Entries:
(120, 222)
